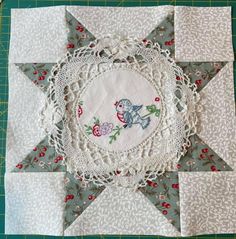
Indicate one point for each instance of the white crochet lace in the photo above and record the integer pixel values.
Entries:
(160, 151)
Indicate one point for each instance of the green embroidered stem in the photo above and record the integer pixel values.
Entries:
(88, 129)
(113, 137)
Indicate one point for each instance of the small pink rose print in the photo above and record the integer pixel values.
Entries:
(79, 111)
(164, 212)
(106, 128)
(151, 184)
(175, 185)
(198, 82)
(69, 197)
(178, 166)
(80, 28)
(70, 45)
(202, 156)
(96, 130)
(205, 150)
(41, 78)
(19, 166)
(214, 169)
(58, 158)
(91, 197)
(162, 197)
(42, 154)
(157, 99)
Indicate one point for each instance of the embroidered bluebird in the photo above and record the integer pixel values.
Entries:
(128, 113)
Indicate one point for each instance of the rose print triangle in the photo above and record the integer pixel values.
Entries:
(43, 158)
(163, 192)
(78, 35)
(164, 34)
(201, 73)
(38, 73)
(200, 157)
(79, 196)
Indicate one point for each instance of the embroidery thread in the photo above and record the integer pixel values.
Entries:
(127, 113)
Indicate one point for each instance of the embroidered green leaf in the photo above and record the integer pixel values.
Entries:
(88, 129)
(116, 131)
(152, 109)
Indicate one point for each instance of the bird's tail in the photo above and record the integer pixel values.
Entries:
(145, 122)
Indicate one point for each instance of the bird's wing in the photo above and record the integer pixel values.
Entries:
(128, 117)
(136, 107)
(121, 117)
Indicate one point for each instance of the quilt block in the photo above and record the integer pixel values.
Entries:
(121, 121)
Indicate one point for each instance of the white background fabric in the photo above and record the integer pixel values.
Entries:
(34, 203)
(125, 21)
(203, 34)
(208, 203)
(121, 211)
(37, 35)
(23, 129)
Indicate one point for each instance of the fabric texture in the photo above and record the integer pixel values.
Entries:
(203, 34)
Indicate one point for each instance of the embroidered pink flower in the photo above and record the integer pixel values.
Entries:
(79, 111)
(106, 128)
(162, 197)
(96, 130)
(157, 99)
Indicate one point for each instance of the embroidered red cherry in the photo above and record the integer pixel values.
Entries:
(205, 150)
(36, 159)
(44, 72)
(58, 158)
(164, 212)
(19, 166)
(92, 45)
(35, 72)
(69, 197)
(91, 197)
(70, 45)
(35, 149)
(41, 154)
(44, 149)
(145, 41)
(96, 130)
(55, 161)
(41, 78)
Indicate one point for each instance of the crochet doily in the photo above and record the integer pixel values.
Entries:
(120, 111)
